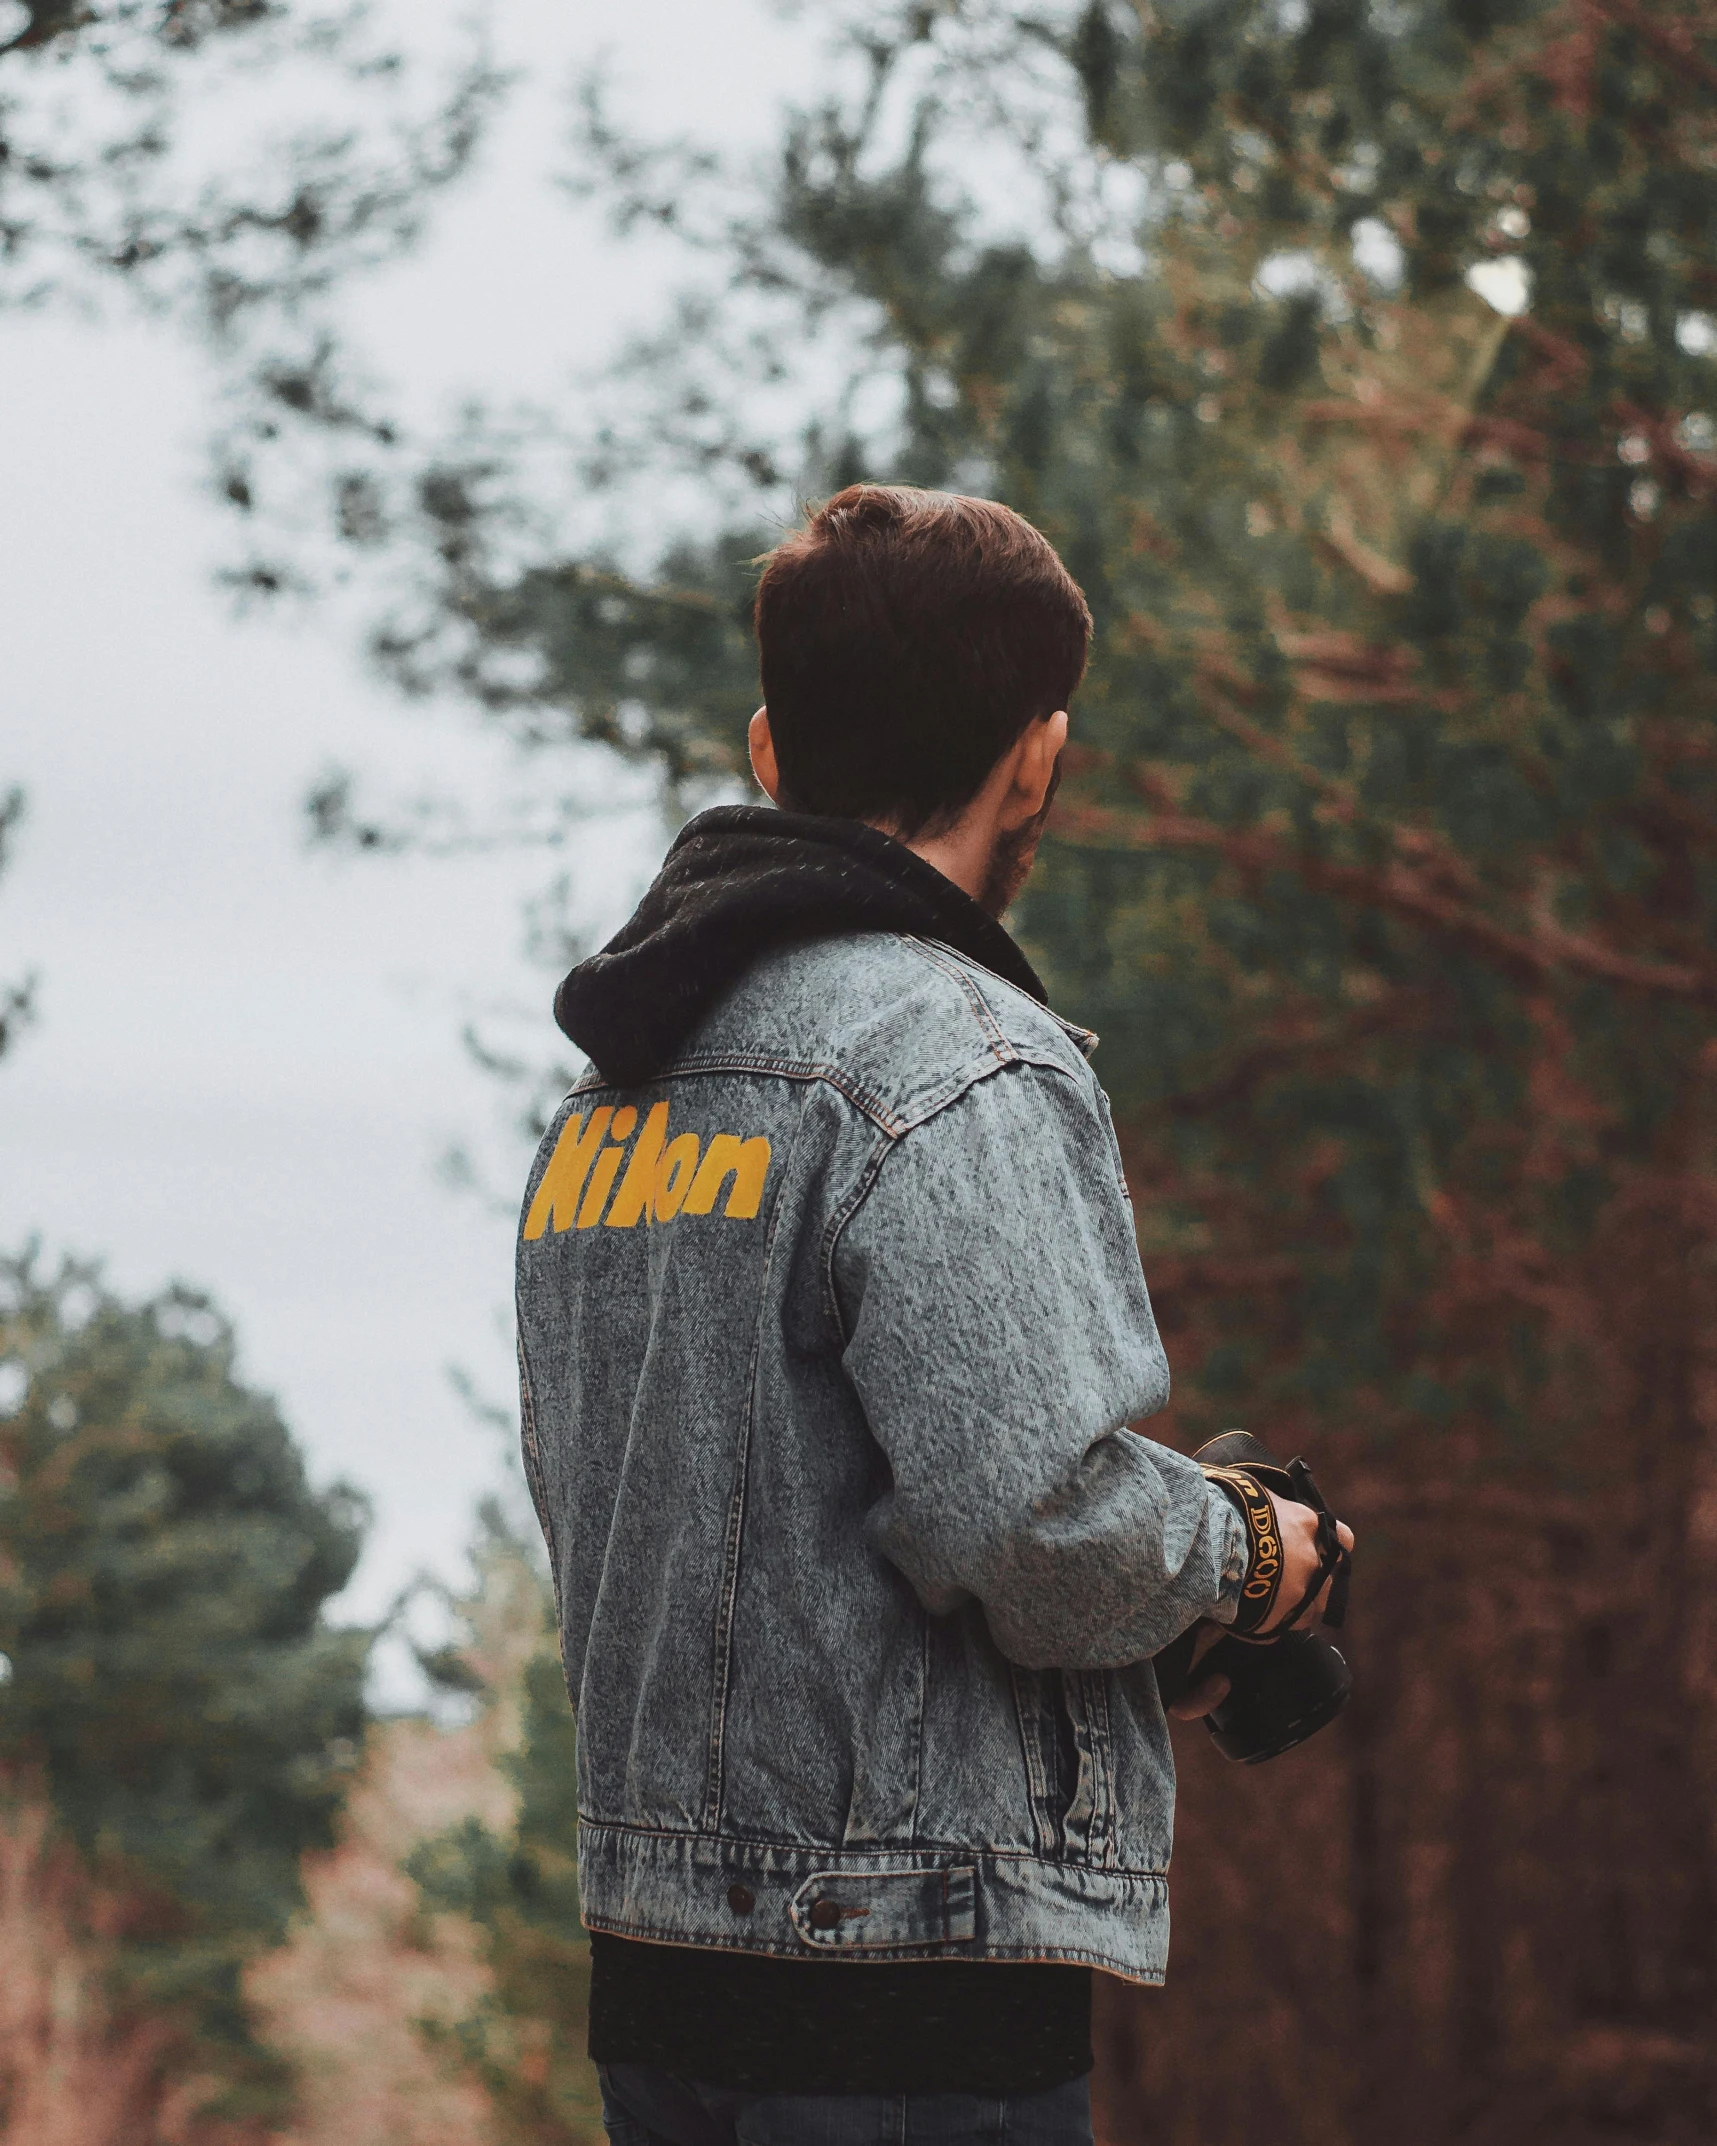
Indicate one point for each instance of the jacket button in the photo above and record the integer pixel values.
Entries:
(741, 1899)
(825, 1914)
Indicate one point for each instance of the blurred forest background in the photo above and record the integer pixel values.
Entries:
(1361, 358)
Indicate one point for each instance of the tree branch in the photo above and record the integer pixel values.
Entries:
(1543, 949)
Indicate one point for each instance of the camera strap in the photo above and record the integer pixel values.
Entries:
(1335, 1560)
(1264, 1571)
(1264, 1563)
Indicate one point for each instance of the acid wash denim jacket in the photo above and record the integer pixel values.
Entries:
(830, 1336)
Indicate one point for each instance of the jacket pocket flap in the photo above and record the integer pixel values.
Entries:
(854, 1911)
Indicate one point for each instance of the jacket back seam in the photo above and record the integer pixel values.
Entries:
(865, 1183)
(948, 962)
(837, 1222)
(928, 1105)
(1028, 1720)
(1103, 1759)
(862, 1099)
(535, 1479)
(727, 1598)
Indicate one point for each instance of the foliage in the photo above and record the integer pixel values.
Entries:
(173, 1682)
(125, 155)
(17, 1000)
(233, 164)
(525, 2041)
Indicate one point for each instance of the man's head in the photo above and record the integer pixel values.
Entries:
(918, 651)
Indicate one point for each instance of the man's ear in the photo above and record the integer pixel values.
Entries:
(762, 746)
(1035, 755)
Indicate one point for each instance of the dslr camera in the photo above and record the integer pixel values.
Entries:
(1286, 1684)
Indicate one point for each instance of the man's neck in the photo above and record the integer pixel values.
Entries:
(961, 853)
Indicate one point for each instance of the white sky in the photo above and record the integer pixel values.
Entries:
(248, 1060)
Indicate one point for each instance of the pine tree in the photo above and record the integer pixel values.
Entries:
(173, 1685)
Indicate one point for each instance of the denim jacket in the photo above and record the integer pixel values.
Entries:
(830, 1336)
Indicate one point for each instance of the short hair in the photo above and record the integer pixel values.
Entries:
(907, 639)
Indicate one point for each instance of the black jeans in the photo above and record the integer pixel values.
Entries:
(645, 2107)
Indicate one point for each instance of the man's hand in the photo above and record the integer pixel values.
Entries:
(1298, 1527)
(1200, 1698)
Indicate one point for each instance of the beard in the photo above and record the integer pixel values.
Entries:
(1014, 855)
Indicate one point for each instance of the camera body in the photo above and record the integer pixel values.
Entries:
(1284, 1687)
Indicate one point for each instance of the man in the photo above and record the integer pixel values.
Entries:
(831, 1327)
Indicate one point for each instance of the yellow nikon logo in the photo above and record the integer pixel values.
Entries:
(664, 1177)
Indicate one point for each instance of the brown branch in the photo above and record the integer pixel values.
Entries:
(1673, 43)
(1264, 745)
(1426, 850)
(1526, 443)
(1347, 548)
(1543, 950)
(1318, 1044)
(1411, 415)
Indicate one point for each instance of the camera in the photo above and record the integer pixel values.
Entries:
(1287, 1684)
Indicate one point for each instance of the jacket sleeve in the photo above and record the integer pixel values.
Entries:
(1000, 1338)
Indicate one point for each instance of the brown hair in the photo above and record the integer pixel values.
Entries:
(907, 638)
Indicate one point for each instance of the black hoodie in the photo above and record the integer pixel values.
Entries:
(738, 882)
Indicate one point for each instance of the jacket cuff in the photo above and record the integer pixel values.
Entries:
(1233, 1553)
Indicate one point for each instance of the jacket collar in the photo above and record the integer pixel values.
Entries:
(740, 881)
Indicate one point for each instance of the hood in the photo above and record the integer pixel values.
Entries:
(738, 882)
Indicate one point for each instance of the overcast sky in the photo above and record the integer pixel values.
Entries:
(247, 1061)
